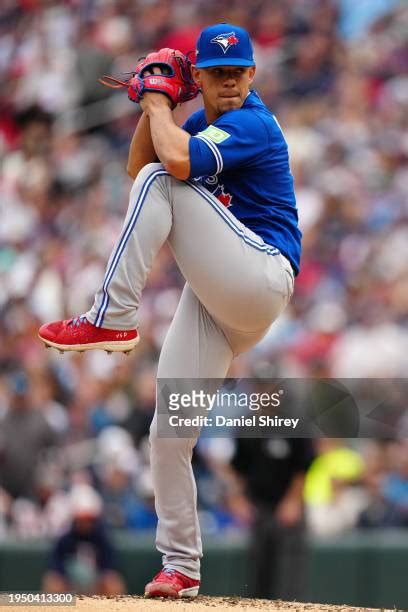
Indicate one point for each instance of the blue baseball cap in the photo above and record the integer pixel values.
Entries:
(224, 44)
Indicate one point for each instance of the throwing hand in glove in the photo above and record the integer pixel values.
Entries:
(167, 72)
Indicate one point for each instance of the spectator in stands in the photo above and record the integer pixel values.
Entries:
(395, 485)
(25, 437)
(83, 558)
(382, 508)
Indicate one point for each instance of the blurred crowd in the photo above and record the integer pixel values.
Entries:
(335, 74)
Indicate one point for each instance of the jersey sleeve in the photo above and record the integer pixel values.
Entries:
(191, 125)
(236, 138)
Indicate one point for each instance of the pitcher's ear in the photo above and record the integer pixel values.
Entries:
(196, 74)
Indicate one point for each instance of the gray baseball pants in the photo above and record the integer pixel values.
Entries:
(236, 286)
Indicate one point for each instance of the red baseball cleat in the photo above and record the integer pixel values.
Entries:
(80, 335)
(171, 583)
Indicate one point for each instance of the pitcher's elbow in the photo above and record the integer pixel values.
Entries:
(131, 172)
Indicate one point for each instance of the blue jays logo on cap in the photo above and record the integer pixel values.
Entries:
(225, 40)
(224, 44)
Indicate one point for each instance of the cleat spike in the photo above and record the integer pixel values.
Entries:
(127, 353)
(61, 352)
(109, 352)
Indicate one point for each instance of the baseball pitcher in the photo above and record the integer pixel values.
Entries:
(219, 190)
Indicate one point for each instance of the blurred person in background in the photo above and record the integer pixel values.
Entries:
(265, 491)
(144, 402)
(46, 513)
(127, 503)
(25, 439)
(333, 491)
(395, 485)
(120, 471)
(384, 508)
(83, 559)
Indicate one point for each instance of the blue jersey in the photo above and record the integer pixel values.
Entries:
(242, 158)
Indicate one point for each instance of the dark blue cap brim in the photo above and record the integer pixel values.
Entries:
(227, 61)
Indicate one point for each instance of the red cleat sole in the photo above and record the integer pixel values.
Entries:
(123, 346)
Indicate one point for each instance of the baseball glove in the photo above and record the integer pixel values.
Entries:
(174, 81)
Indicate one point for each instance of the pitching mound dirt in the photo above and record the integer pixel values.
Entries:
(199, 604)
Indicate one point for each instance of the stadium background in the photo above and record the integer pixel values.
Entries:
(335, 74)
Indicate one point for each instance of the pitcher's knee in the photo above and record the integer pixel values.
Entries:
(148, 177)
(149, 170)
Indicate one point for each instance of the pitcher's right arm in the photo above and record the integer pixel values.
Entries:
(141, 150)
